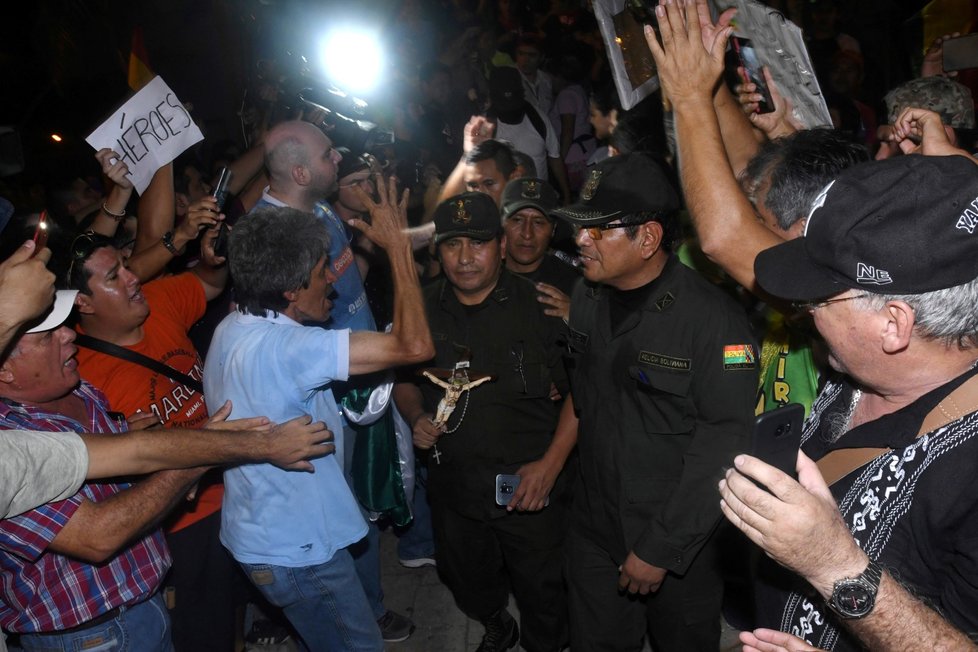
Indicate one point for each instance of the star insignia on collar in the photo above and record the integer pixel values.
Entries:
(591, 185)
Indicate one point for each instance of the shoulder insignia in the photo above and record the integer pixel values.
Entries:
(739, 356)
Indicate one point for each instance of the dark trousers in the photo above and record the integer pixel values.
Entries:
(481, 560)
(201, 586)
(682, 616)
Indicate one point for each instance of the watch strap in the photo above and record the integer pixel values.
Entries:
(168, 243)
(869, 580)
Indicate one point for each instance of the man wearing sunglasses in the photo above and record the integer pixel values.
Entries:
(664, 377)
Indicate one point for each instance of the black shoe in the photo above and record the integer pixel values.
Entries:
(394, 627)
(502, 633)
(267, 633)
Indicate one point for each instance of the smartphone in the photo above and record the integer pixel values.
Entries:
(221, 195)
(777, 437)
(221, 189)
(754, 71)
(961, 53)
(41, 233)
(505, 488)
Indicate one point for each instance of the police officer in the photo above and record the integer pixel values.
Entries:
(664, 380)
(487, 322)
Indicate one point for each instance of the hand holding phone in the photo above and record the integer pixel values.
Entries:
(221, 195)
(41, 233)
(753, 72)
(777, 437)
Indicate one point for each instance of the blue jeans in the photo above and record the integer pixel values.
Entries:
(144, 626)
(325, 603)
(416, 540)
(366, 551)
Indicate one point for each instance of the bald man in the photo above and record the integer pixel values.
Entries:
(302, 170)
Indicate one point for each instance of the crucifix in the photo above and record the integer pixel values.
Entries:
(455, 382)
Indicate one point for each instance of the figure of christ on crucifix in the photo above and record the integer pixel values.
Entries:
(455, 382)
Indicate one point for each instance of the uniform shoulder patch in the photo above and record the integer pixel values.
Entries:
(739, 356)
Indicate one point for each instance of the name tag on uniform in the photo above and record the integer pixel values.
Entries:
(439, 337)
(664, 361)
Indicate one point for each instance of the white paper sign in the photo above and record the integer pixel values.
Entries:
(148, 131)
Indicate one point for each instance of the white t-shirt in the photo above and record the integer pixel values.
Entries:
(528, 140)
(39, 468)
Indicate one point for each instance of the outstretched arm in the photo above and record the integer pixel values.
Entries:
(409, 340)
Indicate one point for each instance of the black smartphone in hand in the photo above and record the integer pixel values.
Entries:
(777, 437)
(754, 71)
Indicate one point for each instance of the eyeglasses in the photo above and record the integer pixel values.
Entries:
(597, 232)
(809, 306)
(82, 247)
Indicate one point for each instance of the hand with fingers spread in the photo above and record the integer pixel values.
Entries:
(388, 215)
(292, 444)
(920, 131)
(771, 640)
(558, 303)
(689, 60)
(796, 523)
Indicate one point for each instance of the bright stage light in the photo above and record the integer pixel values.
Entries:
(353, 59)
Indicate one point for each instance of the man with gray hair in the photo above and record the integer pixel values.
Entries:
(949, 99)
(879, 529)
(291, 532)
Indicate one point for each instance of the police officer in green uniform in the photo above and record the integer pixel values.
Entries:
(664, 381)
(487, 322)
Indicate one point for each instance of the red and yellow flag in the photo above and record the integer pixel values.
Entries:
(140, 73)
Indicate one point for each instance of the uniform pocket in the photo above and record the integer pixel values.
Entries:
(663, 400)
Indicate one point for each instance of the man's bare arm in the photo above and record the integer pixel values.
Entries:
(144, 451)
(729, 231)
(409, 341)
(97, 531)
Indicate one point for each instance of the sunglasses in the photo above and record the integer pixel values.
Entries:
(82, 247)
(597, 232)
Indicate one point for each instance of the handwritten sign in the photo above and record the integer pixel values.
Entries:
(148, 131)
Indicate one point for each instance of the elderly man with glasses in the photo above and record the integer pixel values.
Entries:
(877, 535)
(665, 372)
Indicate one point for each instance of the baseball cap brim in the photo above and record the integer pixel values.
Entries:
(786, 271)
(517, 206)
(584, 215)
(475, 235)
(64, 301)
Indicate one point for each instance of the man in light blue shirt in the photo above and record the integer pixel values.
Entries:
(290, 531)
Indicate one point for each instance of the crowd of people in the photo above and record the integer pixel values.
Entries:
(531, 337)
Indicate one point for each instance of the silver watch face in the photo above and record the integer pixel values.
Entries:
(853, 598)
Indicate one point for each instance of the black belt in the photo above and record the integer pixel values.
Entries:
(97, 620)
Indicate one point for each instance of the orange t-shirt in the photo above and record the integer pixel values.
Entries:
(175, 303)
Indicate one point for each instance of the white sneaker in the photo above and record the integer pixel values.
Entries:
(418, 562)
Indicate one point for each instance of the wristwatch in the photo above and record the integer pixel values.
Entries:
(168, 243)
(855, 597)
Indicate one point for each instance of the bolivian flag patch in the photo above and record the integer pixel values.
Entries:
(739, 356)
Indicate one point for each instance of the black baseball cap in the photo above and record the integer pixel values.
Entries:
(471, 214)
(904, 225)
(505, 89)
(620, 186)
(350, 163)
(528, 193)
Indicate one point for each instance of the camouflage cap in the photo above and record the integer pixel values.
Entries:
(948, 98)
